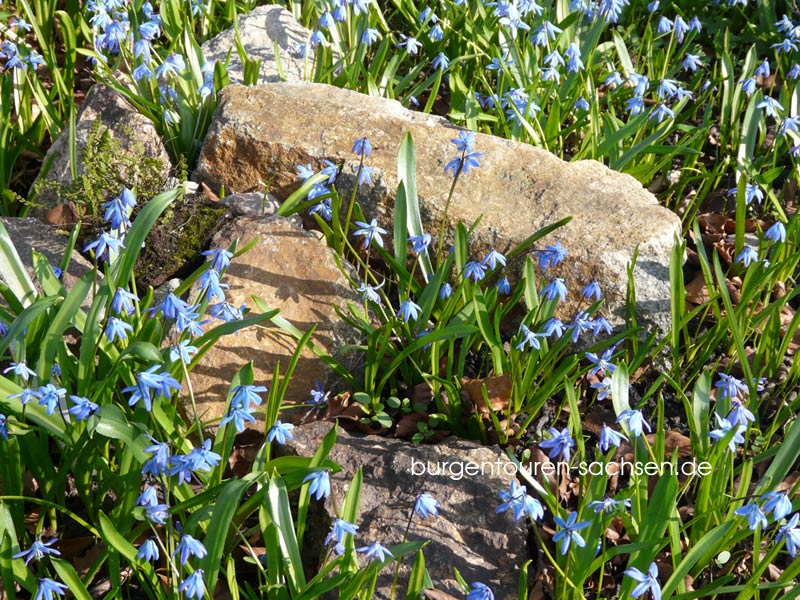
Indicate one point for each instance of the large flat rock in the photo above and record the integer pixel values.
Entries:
(261, 133)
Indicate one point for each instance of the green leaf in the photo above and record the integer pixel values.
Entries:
(407, 176)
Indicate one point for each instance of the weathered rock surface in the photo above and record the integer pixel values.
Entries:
(261, 133)
(140, 160)
(467, 535)
(289, 269)
(259, 31)
(29, 234)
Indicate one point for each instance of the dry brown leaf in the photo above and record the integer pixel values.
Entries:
(63, 215)
(434, 594)
(697, 290)
(498, 392)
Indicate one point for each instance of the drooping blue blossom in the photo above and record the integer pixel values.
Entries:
(245, 395)
(555, 289)
(568, 534)
(503, 286)
(474, 270)
(613, 80)
(691, 62)
(319, 484)
(754, 515)
(789, 124)
(601, 363)
(445, 291)
(581, 323)
(49, 588)
(573, 56)
(440, 61)
(739, 414)
(603, 388)
(117, 329)
(645, 582)
(747, 255)
(635, 105)
(681, 27)
(661, 112)
(529, 338)
(581, 104)
(323, 209)
(609, 437)
(123, 302)
(362, 147)
(188, 547)
(409, 310)
(21, 370)
(725, 427)
(159, 462)
(518, 500)
(202, 458)
(105, 247)
(600, 325)
(375, 551)
(148, 497)
(763, 70)
(419, 243)
(280, 432)
(370, 231)
(194, 586)
(409, 43)
(609, 505)
(664, 25)
(183, 352)
(777, 503)
(791, 533)
(551, 256)
(211, 286)
(426, 506)
(50, 396)
(83, 409)
(148, 551)
(634, 421)
(157, 514)
(560, 443)
(149, 382)
(220, 258)
(492, 259)
(592, 290)
(749, 86)
(370, 292)
(480, 591)
(770, 105)
(339, 530)
(370, 36)
(38, 550)
(225, 311)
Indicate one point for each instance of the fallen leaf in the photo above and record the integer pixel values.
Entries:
(498, 393)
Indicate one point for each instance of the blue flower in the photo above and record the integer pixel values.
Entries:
(370, 292)
(603, 388)
(791, 534)
(193, 586)
(645, 582)
(202, 458)
(370, 231)
(770, 106)
(159, 462)
(304, 171)
(601, 363)
(569, 532)
(149, 381)
(445, 291)
(474, 270)
(38, 551)
(592, 290)
(724, 427)
(493, 258)
(409, 44)
(320, 484)
(691, 62)
(148, 551)
(48, 587)
(777, 503)
(220, 258)
(116, 329)
(210, 285)
(609, 505)
(555, 288)
(148, 497)
(551, 256)
(183, 352)
(440, 61)
(21, 370)
(749, 86)
(280, 432)
(528, 338)
(426, 506)
(123, 302)
(50, 396)
(362, 147)
(776, 233)
(739, 413)
(503, 286)
(633, 421)
(339, 529)
(520, 502)
(480, 591)
(465, 142)
(157, 514)
(369, 36)
(560, 443)
(730, 386)
(244, 395)
(608, 438)
(375, 550)
(83, 409)
(553, 326)
(239, 415)
(105, 246)
(409, 310)
(664, 25)
(187, 547)
(581, 104)
(463, 163)
(225, 311)
(754, 515)
(661, 112)
(420, 242)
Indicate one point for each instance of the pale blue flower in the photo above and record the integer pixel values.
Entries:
(38, 550)
(188, 547)
(193, 586)
(375, 550)
(479, 591)
(634, 421)
(83, 409)
(568, 534)
(777, 503)
(409, 310)
(426, 506)
(791, 533)
(48, 587)
(148, 551)
(752, 512)
(319, 484)
(645, 581)
(370, 231)
(280, 432)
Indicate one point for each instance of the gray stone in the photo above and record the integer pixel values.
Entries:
(134, 133)
(28, 234)
(262, 133)
(289, 269)
(467, 535)
(260, 31)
